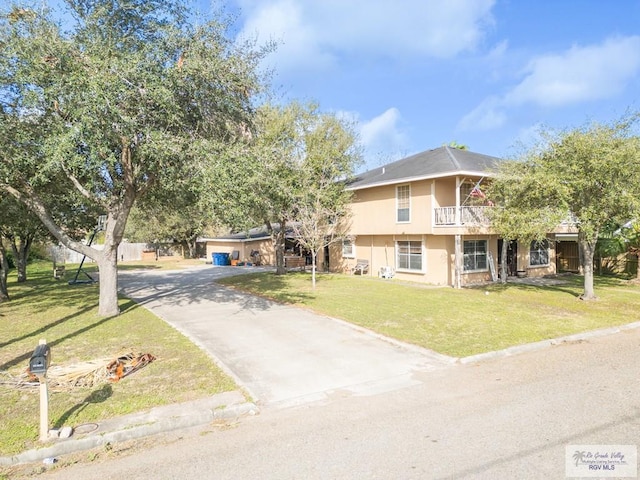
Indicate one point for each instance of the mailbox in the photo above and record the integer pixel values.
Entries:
(40, 359)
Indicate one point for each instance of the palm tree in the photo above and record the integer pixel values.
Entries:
(459, 146)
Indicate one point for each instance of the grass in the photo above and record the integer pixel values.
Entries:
(454, 322)
(66, 316)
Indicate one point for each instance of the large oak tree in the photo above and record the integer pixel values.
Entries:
(589, 174)
(132, 99)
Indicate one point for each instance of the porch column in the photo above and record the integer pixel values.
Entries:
(457, 282)
(458, 183)
(434, 203)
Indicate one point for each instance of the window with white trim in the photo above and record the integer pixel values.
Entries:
(475, 255)
(409, 255)
(539, 253)
(403, 203)
(348, 248)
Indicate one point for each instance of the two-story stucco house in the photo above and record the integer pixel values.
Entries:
(424, 219)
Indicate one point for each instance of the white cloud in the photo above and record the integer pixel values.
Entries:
(282, 22)
(314, 33)
(383, 137)
(383, 130)
(498, 51)
(578, 75)
(489, 115)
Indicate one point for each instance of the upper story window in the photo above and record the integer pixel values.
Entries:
(403, 203)
(409, 255)
(475, 255)
(539, 253)
(348, 248)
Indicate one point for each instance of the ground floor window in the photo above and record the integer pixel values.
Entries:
(475, 255)
(539, 253)
(348, 248)
(409, 255)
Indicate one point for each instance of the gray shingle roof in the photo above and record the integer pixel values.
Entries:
(257, 233)
(439, 162)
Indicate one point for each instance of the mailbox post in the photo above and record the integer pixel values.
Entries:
(38, 365)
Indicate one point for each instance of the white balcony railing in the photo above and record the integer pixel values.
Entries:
(475, 216)
(460, 216)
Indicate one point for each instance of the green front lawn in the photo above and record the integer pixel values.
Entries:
(66, 316)
(453, 322)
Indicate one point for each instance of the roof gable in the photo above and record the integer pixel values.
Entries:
(439, 162)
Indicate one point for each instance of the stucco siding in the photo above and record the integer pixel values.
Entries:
(374, 210)
(264, 246)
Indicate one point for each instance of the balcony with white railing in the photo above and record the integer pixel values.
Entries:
(461, 216)
(478, 216)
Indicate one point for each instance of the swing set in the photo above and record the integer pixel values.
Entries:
(102, 220)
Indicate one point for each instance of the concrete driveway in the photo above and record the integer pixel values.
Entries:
(282, 355)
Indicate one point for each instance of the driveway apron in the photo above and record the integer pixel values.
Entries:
(280, 354)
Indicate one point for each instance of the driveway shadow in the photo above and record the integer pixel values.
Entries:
(189, 287)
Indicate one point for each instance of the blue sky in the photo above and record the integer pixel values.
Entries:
(415, 74)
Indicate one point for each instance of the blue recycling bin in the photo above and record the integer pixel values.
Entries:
(220, 259)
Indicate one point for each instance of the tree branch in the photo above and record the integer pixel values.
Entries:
(83, 191)
(32, 202)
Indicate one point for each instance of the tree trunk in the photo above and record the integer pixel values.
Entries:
(191, 250)
(503, 260)
(314, 255)
(588, 248)
(20, 249)
(279, 243)
(108, 269)
(4, 272)
(108, 258)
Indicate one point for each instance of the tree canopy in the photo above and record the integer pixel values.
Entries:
(133, 99)
(289, 174)
(590, 175)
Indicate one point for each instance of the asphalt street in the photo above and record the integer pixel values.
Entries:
(506, 418)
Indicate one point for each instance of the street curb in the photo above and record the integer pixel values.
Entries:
(444, 360)
(531, 347)
(165, 424)
(436, 357)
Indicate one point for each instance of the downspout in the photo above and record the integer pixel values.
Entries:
(434, 205)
